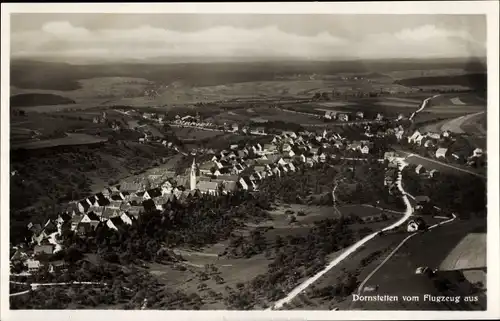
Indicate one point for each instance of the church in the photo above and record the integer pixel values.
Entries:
(205, 187)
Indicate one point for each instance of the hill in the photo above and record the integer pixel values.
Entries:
(476, 81)
(35, 99)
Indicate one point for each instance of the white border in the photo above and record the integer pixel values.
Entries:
(490, 8)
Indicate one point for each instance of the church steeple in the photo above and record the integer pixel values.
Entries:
(192, 182)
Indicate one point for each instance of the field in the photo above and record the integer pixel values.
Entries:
(470, 256)
(241, 270)
(188, 133)
(471, 124)
(170, 85)
(397, 276)
(70, 139)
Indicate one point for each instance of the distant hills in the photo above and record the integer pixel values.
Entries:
(35, 99)
(30, 74)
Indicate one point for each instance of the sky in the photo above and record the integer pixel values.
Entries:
(121, 37)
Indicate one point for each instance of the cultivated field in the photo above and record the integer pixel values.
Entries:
(469, 256)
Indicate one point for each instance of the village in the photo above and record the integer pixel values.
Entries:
(238, 167)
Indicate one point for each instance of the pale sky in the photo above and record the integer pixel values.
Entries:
(259, 36)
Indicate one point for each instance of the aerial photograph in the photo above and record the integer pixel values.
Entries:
(198, 161)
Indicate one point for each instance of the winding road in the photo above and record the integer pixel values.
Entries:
(409, 211)
(424, 104)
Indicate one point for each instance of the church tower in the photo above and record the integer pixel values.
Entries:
(192, 182)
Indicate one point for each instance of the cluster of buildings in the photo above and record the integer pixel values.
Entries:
(192, 121)
(238, 167)
(443, 147)
(335, 115)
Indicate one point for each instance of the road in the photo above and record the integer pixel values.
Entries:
(463, 170)
(424, 104)
(362, 285)
(409, 211)
(35, 286)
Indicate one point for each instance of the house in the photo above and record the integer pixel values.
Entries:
(75, 220)
(269, 147)
(90, 217)
(432, 173)
(98, 210)
(83, 206)
(365, 149)
(422, 199)
(243, 184)
(206, 168)
(126, 219)
(19, 256)
(109, 213)
(114, 204)
(354, 146)
(389, 156)
(33, 265)
(412, 226)
(135, 211)
(211, 188)
(441, 152)
(343, 117)
(149, 205)
(414, 136)
(291, 134)
(58, 265)
(420, 169)
(478, 152)
(130, 187)
(228, 186)
(445, 134)
(429, 143)
(282, 161)
(379, 116)
(152, 193)
(433, 135)
(235, 127)
(114, 223)
(330, 114)
(360, 115)
(258, 131)
(161, 201)
(44, 248)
